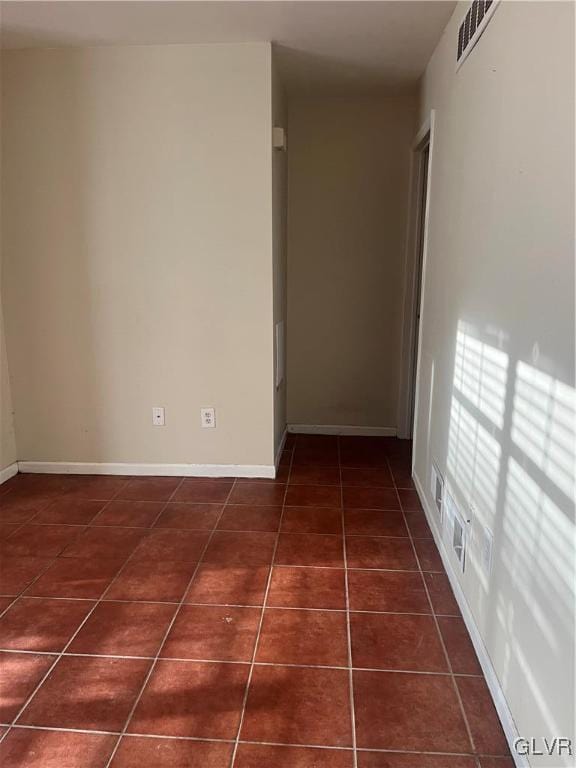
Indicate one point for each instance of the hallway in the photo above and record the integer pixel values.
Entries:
(209, 623)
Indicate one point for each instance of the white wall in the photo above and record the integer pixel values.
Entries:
(347, 199)
(496, 395)
(137, 252)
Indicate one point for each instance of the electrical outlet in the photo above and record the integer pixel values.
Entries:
(158, 417)
(208, 418)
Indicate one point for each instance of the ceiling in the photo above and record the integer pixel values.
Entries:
(320, 44)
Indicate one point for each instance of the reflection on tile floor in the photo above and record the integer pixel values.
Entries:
(304, 622)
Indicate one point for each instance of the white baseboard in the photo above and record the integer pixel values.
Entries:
(179, 470)
(338, 429)
(508, 724)
(8, 472)
(280, 449)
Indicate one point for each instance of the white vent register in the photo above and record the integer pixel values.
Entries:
(472, 27)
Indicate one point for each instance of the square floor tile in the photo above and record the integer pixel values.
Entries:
(224, 585)
(459, 646)
(370, 498)
(76, 577)
(441, 595)
(317, 454)
(481, 714)
(250, 517)
(307, 588)
(41, 540)
(394, 554)
(402, 477)
(231, 548)
(41, 624)
(258, 493)
(396, 641)
(402, 711)
(172, 545)
(312, 520)
(370, 522)
(152, 580)
(55, 749)
(20, 673)
(16, 573)
(409, 500)
(150, 488)
(204, 490)
(105, 543)
(124, 629)
(496, 762)
(260, 755)
(413, 760)
(367, 478)
(303, 637)
(213, 632)
(140, 751)
(100, 487)
(313, 496)
(387, 591)
(312, 475)
(295, 705)
(187, 698)
(138, 514)
(66, 511)
(87, 693)
(313, 549)
(200, 516)
(6, 529)
(428, 555)
(418, 525)
(15, 509)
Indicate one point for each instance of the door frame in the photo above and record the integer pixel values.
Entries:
(418, 223)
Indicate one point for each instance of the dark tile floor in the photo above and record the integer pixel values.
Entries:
(304, 622)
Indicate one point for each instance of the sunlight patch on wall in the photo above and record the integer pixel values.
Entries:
(543, 424)
(480, 372)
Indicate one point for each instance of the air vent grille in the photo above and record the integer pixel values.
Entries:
(472, 26)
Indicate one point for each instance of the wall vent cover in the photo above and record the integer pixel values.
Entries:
(474, 23)
(459, 532)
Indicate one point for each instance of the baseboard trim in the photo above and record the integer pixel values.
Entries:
(168, 470)
(338, 429)
(508, 724)
(8, 472)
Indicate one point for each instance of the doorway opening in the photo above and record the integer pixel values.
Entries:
(415, 272)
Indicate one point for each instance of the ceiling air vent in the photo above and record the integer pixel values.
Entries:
(474, 23)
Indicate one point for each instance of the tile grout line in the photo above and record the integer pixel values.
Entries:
(348, 625)
(437, 625)
(168, 629)
(198, 660)
(244, 741)
(260, 623)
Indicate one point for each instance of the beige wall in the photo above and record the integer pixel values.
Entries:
(279, 215)
(137, 252)
(348, 190)
(496, 396)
